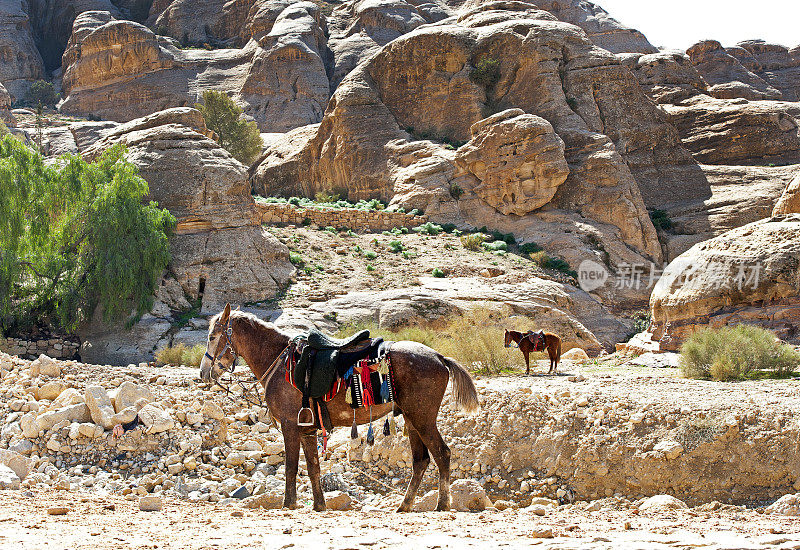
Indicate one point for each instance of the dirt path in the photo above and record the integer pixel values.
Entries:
(99, 522)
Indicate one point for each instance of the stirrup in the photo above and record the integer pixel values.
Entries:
(305, 424)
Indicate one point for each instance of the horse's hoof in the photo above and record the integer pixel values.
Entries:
(442, 507)
(320, 507)
(291, 505)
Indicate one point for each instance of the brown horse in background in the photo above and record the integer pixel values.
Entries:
(420, 377)
(536, 341)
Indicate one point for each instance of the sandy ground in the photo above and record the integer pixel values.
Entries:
(99, 522)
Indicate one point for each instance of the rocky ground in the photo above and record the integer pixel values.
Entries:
(579, 460)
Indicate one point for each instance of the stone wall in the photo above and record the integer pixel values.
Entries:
(56, 348)
(353, 218)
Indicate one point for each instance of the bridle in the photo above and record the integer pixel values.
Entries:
(249, 384)
(228, 332)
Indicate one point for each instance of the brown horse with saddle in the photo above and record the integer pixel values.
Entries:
(405, 378)
(536, 341)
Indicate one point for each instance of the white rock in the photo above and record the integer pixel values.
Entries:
(235, 459)
(124, 416)
(467, 495)
(69, 396)
(155, 419)
(127, 394)
(671, 449)
(100, 407)
(21, 465)
(787, 505)
(8, 478)
(662, 502)
(86, 429)
(194, 418)
(273, 448)
(45, 366)
(30, 427)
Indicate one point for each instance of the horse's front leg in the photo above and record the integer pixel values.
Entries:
(291, 444)
(309, 441)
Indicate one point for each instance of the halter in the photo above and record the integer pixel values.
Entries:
(228, 346)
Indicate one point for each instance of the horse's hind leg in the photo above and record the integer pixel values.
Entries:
(527, 362)
(291, 442)
(421, 460)
(309, 442)
(441, 454)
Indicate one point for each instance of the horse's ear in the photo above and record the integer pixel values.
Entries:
(225, 313)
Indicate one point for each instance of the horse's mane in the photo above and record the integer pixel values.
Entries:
(251, 320)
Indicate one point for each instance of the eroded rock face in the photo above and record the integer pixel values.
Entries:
(776, 64)
(736, 133)
(748, 275)
(667, 77)
(219, 251)
(20, 62)
(726, 75)
(517, 160)
(789, 203)
(121, 70)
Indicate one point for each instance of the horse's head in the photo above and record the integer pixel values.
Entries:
(219, 354)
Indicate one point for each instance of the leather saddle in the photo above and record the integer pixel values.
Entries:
(323, 359)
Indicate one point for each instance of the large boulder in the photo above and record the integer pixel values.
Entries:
(220, 252)
(748, 275)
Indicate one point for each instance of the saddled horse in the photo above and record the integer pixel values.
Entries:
(536, 341)
(420, 377)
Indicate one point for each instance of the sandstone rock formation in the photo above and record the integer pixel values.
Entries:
(725, 74)
(775, 64)
(748, 275)
(121, 70)
(21, 62)
(220, 253)
(789, 203)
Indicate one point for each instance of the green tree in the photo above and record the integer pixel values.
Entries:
(76, 236)
(238, 136)
(43, 93)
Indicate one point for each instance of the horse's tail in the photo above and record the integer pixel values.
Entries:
(464, 392)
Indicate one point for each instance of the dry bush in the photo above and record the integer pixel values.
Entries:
(734, 353)
(181, 354)
(473, 241)
(474, 339)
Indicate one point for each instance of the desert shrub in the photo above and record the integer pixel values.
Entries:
(238, 136)
(473, 241)
(641, 321)
(529, 248)
(495, 246)
(734, 353)
(181, 354)
(370, 267)
(428, 228)
(324, 196)
(43, 93)
(408, 255)
(415, 212)
(437, 272)
(545, 261)
(75, 236)
(660, 220)
(296, 259)
(396, 246)
(370, 254)
(508, 238)
(331, 229)
(455, 191)
(486, 72)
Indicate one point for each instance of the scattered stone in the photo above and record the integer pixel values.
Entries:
(100, 408)
(58, 511)
(338, 501)
(128, 394)
(659, 503)
(542, 533)
(270, 501)
(156, 420)
(8, 478)
(671, 449)
(51, 390)
(576, 355)
(467, 495)
(240, 493)
(787, 505)
(150, 503)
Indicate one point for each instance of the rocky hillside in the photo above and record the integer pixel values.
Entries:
(549, 120)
